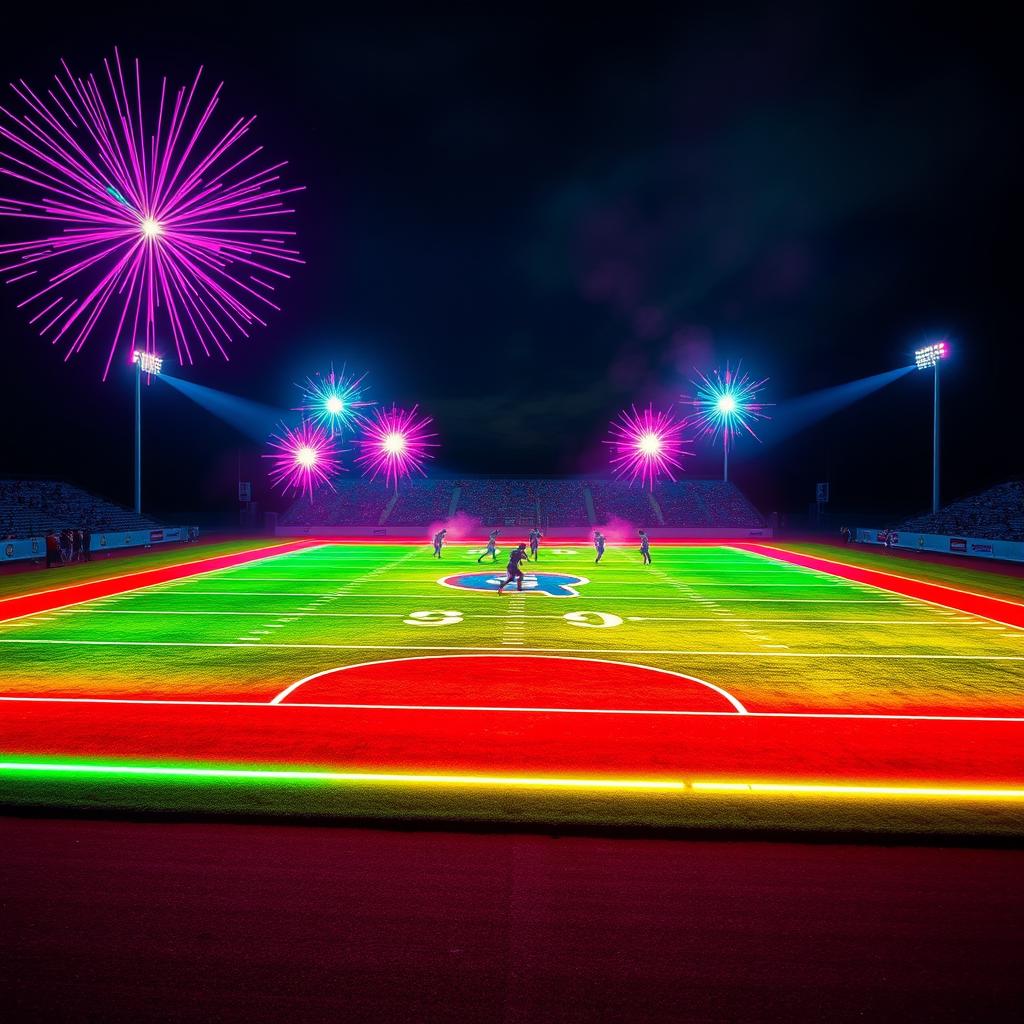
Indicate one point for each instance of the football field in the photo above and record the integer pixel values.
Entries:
(721, 686)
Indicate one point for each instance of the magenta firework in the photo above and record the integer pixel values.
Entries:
(646, 445)
(395, 443)
(303, 457)
(140, 221)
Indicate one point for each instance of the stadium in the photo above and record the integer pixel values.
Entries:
(409, 633)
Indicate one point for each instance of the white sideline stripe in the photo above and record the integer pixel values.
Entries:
(328, 595)
(532, 616)
(740, 709)
(482, 707)
(540, 650)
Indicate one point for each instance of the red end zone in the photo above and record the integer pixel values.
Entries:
(488, 716)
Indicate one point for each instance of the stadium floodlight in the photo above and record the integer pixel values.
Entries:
(150, 364)
(147, 362)
(930, 355)
(928, 358)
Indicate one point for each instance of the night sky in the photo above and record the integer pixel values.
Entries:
(525, 224)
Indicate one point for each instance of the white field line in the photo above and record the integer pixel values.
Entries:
(539, 650)
(896, 576)
(488, 595)
(512, 708)
(483, 615)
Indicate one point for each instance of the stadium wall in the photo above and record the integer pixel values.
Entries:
(109, 540)
(972, 547)
(575, 532)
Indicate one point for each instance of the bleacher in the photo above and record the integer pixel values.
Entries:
(34, 508)
(524, 502)
(421, 502)
(616, 500)
(995, 514)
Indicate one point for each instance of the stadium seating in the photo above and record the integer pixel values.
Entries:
(995, 514)
(616, 500)
(707, 504)
(33, 508)
(421, 502)
(350, 503)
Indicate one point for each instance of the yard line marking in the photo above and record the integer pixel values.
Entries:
(552, 650)
(486, 595)
(769, 621)
(479, 707)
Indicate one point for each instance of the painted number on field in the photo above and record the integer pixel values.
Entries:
(564, 551)
(433, 618)
(481, 551)
(593, 620)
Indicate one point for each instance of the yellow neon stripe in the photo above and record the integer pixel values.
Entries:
(652, 785)
(839, 790)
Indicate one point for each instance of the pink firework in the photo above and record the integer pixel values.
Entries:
(140, 228)
(646, 445)
(303, 458)
(395, 443)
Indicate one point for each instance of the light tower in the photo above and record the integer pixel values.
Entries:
(928, 358)
(145, 362)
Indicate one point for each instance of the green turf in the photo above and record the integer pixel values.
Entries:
(776, 636)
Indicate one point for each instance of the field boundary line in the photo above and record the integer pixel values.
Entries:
(998, 609)
(22, 605)
(1007, 719)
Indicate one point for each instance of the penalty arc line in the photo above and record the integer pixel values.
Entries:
(288, 690)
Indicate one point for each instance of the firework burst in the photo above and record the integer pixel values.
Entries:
(646, 445)
(334, 400)
(395, 443)
(303, 457)
(726, 405)
(139, 226)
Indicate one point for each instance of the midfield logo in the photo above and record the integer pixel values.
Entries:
(551, 584)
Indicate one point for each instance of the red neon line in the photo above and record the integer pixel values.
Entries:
(30, 604)
(998, 609)
(730, 747)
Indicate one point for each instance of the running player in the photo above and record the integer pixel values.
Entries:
(645, 547)
(492, 547)
(438, 541)
(535, 536)
(514, 572)
(598, 545)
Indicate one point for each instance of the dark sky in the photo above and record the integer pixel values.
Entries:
(525, 224)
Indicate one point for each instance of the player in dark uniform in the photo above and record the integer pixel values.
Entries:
(645, 547)
(492, 547)
(598, 545)
(438, 542)
(516, 556)
(535, 536)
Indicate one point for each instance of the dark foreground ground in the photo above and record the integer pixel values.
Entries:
(129, 921)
